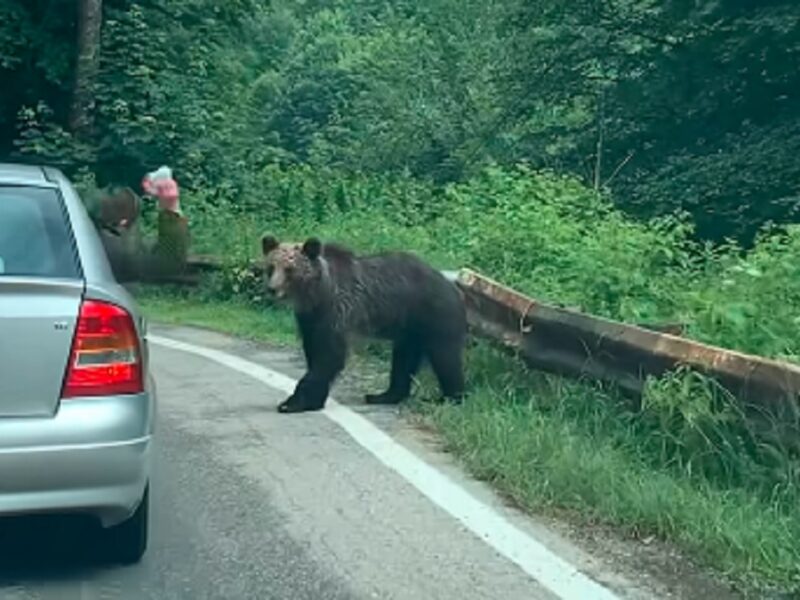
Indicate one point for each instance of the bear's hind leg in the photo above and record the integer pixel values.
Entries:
(406, 360)
(447, 362)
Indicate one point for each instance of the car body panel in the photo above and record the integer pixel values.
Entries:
(106, 482)
(37, 319)
(82, 422)
(86, 455)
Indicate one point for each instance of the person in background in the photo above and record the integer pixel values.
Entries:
(168, 255)
(132, 259)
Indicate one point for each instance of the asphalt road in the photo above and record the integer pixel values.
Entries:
(250, 504)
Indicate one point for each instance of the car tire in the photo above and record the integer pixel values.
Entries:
(127, 542)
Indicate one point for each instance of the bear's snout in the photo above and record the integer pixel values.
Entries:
(274, 291)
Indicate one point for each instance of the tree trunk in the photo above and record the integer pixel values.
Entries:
(90, 21)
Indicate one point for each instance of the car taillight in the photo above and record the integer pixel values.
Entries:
(105, 358)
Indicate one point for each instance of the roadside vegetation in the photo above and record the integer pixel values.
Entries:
(686, 466)
(634, 159)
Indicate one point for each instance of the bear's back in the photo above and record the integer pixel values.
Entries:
(399, 293)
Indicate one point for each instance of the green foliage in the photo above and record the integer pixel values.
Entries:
(42, 139)
(546, 443)
(544, 234)
(179, 307)
(750, 301)
(36, 49)
(551, 237)
(669, 105)
(168, 89)
(695, 425)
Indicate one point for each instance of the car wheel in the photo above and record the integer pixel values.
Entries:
(127, 542)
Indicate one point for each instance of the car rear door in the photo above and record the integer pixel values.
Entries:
(41, 287)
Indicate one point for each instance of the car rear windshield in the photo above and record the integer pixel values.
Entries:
(35, 238)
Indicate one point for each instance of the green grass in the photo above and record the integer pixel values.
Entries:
(236, 318)
(552, 444)
(548, 443)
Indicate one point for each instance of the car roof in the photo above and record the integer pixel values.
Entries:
(18, 174)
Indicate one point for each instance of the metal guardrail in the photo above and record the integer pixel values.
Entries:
(575, 344)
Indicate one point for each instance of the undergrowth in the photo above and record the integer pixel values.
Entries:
(549, 443)
(687, 463)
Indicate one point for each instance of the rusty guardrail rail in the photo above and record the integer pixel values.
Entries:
(575, 344)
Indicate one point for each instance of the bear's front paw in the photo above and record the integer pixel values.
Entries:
(293, 404)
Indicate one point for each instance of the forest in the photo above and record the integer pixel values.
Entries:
(637, 159)
(677, 105)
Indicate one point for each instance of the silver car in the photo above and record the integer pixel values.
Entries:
(77, 401)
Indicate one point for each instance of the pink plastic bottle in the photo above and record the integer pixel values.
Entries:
(159, 183)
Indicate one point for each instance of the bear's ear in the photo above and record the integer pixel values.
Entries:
(268, 244)
(312, 248)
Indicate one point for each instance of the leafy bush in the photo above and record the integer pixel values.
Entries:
(551, 237)
(750, 301)
(544, 234)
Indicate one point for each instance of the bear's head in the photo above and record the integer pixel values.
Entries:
(292, 270)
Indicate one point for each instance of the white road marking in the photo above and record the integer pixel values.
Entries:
(549, 569)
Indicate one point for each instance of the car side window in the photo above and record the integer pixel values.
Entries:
(35, 239)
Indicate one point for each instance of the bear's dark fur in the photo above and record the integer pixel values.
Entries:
(393, 296)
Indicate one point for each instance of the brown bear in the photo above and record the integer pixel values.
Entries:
(393, 296)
